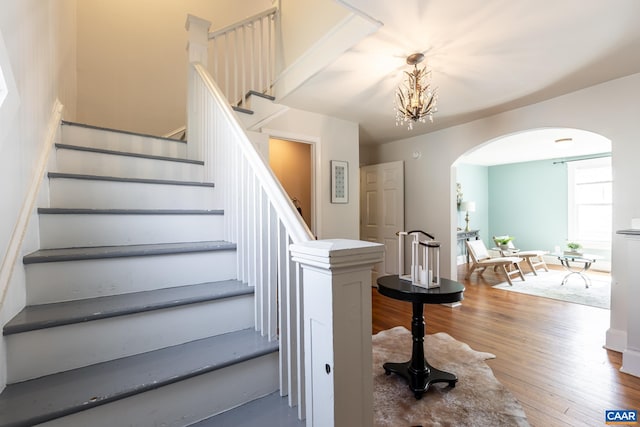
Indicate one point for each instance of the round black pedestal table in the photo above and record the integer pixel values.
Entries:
(417, 371)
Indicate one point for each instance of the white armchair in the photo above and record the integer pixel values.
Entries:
(534, 258)
(480, 259)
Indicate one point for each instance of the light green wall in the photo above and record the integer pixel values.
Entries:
(529, 201)
(474, 180)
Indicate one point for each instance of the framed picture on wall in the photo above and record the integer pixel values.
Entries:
(339, 181)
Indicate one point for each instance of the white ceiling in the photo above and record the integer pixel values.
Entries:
(487, 57)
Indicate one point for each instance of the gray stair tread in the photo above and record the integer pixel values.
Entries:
(126, 132)
(242, 110)
(260, 94)
(43, 316)
(271, 410)
(135, 180)
(35, 401)
(76, 211)
(101, 252)
(127, 154)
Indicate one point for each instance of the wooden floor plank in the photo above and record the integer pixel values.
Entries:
(549, 353)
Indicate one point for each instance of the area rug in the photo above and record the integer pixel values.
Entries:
(478, 399)
(549, 285)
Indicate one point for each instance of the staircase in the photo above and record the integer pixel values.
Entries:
(169, 290)
(134, 315)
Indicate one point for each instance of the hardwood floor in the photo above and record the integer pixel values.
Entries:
(549, 353)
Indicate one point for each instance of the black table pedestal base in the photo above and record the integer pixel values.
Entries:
(419, 381)
(417, 371)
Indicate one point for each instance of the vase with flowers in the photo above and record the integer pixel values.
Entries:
(503, 242)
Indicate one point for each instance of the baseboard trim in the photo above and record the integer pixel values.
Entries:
(28, 206)
(631, 362)
(452, 304)
(616, 340)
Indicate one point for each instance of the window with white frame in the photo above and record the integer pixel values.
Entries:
(590, 207)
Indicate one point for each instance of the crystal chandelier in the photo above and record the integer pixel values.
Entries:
(415, 100)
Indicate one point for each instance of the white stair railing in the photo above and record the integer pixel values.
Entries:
(259, 216)
(243, 56)
(298, 282)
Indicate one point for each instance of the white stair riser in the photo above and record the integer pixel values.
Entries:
(47, 351)
(72, 280)
(88, 163)
(89, 194)
(185, 402)
(80, 230)
(97, 138)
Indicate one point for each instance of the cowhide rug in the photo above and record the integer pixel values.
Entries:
(478, 399)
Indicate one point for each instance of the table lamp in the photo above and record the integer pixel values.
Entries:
(469, 207)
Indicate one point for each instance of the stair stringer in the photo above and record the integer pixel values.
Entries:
(24, 237)
(343, 36)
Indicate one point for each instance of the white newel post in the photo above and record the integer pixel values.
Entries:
(197, 51)
(631, 354)
(337, 330)
(198, 39)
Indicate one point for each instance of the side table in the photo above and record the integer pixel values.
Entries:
(585, 259)
(417, 371)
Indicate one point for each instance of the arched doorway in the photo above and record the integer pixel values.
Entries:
(524, 185)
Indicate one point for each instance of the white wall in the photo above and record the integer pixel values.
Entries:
(610, 109)
(334, 139)
(132, 60)
(40, 39)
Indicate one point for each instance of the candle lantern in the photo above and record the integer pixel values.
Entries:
(425, 260)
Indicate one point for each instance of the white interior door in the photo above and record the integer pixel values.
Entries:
(382, 211)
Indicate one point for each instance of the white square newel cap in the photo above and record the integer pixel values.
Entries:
(337, 253)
